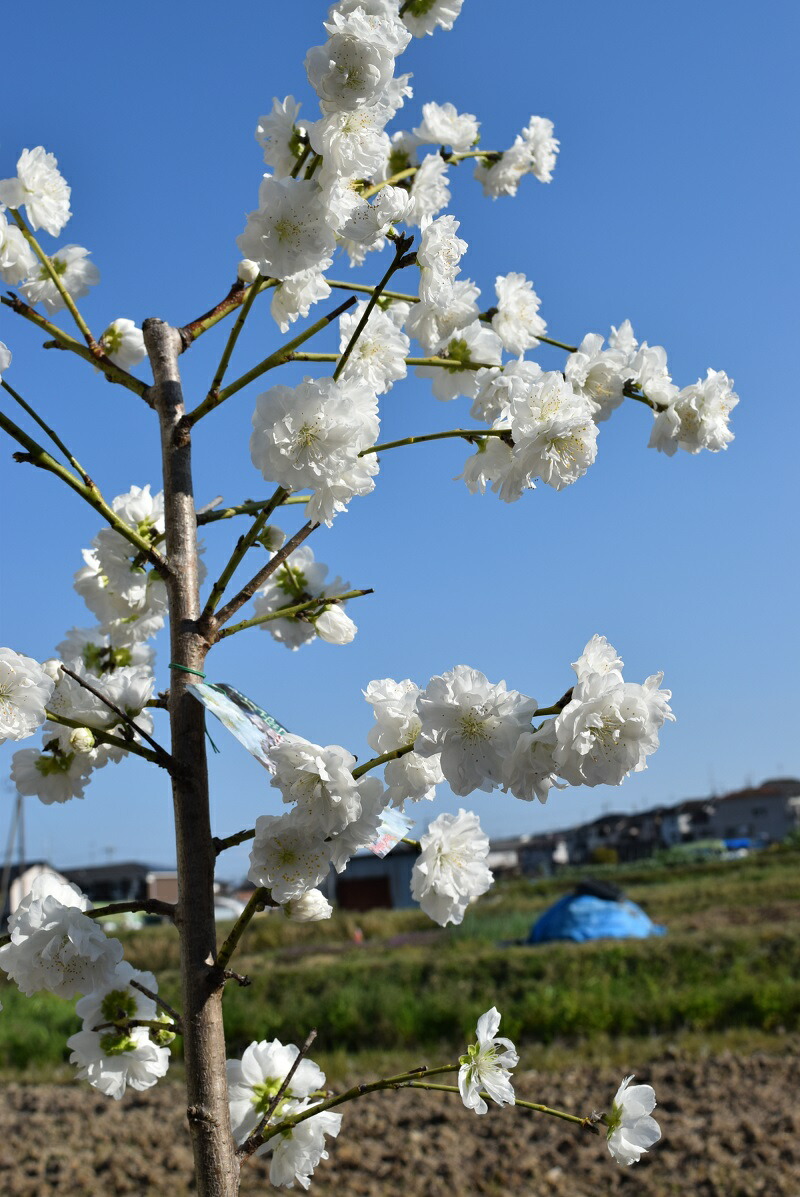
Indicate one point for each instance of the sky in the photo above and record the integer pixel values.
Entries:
(673, 204)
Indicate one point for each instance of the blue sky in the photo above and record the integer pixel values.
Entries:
(673, 203)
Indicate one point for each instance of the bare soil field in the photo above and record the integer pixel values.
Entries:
(731, 1128)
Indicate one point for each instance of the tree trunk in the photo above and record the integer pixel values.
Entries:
(215, 1158)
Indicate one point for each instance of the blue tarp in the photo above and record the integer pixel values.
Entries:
(580, 917)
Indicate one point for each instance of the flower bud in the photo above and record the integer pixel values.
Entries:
(248, 270)
(82, 740)
(272, 538)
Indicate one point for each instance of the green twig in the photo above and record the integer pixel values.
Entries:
(472, 435)
(377, 761)
(249, 507)
(76, 465)
(323, 603)
(258, 580)
(234, 299)
(38, 456)
(585, 1123)
(104, 737)
(237, 556)
(277, 358)
(230, 841)
(402, 258)
(256, 902)
(56, 279)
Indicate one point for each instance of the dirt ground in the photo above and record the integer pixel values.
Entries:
(731, 1128)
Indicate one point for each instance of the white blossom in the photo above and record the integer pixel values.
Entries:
(296, 1152)
(41, 187)
(319, 781)
(426, 16)
(541, 146)
(25, 690)
(599, 374)
(311, 436)
(438, 256)
(286, 858)
(277, 133)
(473, 724)
(487, 1066)
(497, 388)
(531, 772)
(77, 274)
(255, 1080)
(436, 321)
(429, 189)
(492, 464)
(295, 295)
(470, 345)
(534, 151)
(53, 776)
(112, 1059)
(310, 907)
(517, 321)
(697, 418)
(54, 945)
(289, 231)
(378, 358)
(350, 70)
(598, 657)
(609, 728)
(443, 125)
(364, 829)
(352, 143)
(102, 651)
(381, 19)
(451, 869)
(553, 430)
(17, 259)
(298, 579)
(410, 777)
(123, 342)
(631, 1131)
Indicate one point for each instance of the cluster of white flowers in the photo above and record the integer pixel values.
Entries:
(253, 1084)
(694, 418)
(112, 1054)
(54, 945)
(128, 597)
(311, 436)
(299, 579)
(534, 152)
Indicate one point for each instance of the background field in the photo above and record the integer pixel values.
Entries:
(710, 1014)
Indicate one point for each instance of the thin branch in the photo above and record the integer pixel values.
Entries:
(126, 719)
(54, 437)
(277, 358)
(473, 435)
(275, 562)
(124, 1024)
(401, 1081)
(323, 602)
(401, 259)
(231, 841)
(243, 544)
(234, 299)
(250, 298)
(253, 1142)
(159, 1001)
(104, 737)
(62, 340)
(146, 906)
(586, 1123)
(256, 902)
(557, 707)
(56, 280)
(38, 456)
(446, 363)
(408, 173)
(249, 507)
(377, 761)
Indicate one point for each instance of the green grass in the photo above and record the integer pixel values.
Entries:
(729, 966)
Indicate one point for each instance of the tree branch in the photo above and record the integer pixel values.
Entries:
(323, 602)
(401, 259)
(256, 902)
(253, 1142)
(247, 591)
(104, 737)
(243, 544)
(234, 299)
(377, 761)
(473, 435)
(249, 507)
(56, 280)
(277, 358)
(62, 340)
(76, 465)
(38, 456)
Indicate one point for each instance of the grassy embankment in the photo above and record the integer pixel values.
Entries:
(727, 973)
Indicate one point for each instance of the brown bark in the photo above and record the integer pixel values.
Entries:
(204, 1041)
